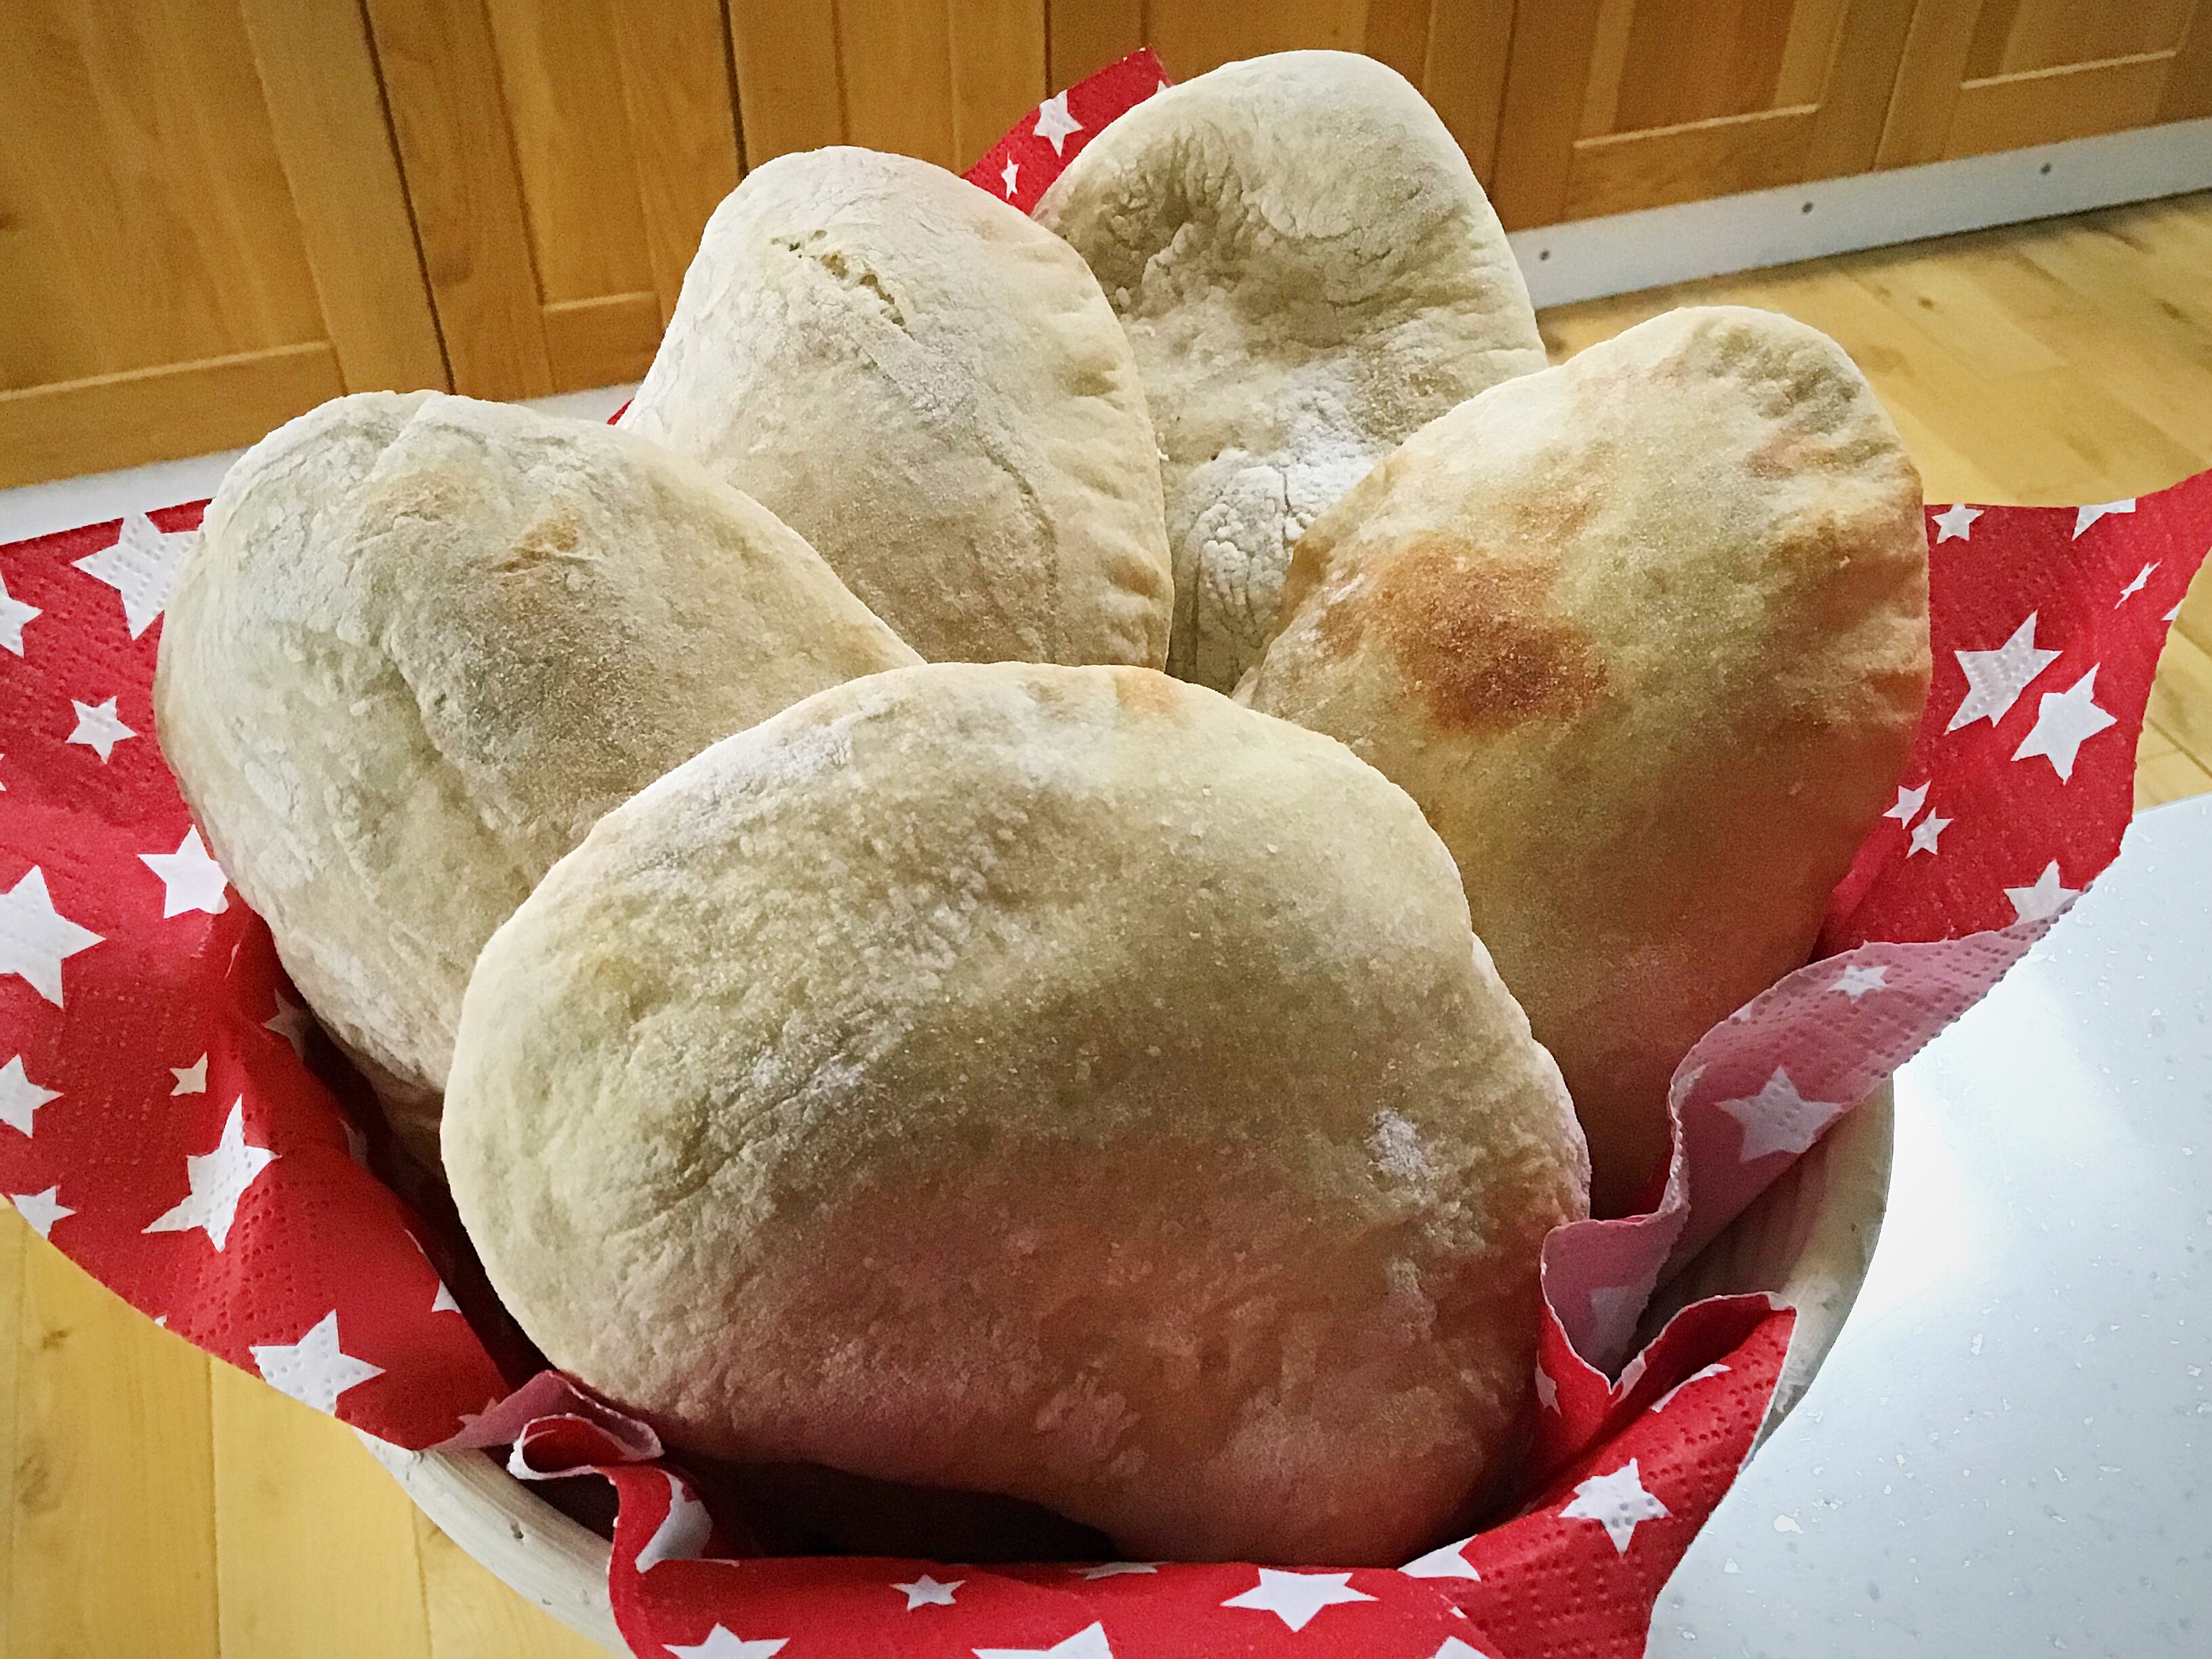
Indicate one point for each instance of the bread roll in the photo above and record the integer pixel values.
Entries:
(1059, 1083)
(422, 643)
(1646, 636)
(931, 390)
(1307, 271)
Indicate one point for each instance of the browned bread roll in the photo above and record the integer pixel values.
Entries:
(1646, 636)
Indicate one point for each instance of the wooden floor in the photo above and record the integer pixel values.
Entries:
(157, 1504)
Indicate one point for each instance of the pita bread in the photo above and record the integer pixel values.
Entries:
(423, 644)
(1307, 271)
(934, 393)
(1053, 1081)
(1646, 636)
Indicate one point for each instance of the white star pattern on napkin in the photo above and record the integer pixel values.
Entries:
(314, 1369)
(1856, 982)
(41, 1210)
(191, 880)
(19, 1097)
(99, 727)
(1923, 839)
(1088, 1642)
(1616, 1502)
(1116, 1568)
(1995, 678)
(142, 566)
(1294, 1597)
(1455, 1649)
(1956, 523)
(2086, 516)
(292, 1022)
(2136, 587)
(927, 1592)
(35, 938)
(1778, 1119)
(1055, 123)
(1908, 804)
(2064, 720)
(1547, 1391)
(13, 613)
(218, 1179)
(721, 1644)
(2046, 898)
(1011, 172)
(191, 1080)
(1668, 1398)
(443, 1303)
(683, 1532)
(1445, 1562)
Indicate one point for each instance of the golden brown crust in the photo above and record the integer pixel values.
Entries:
(1646, 637)
(1482, 640)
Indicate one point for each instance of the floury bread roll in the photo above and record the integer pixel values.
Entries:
(1307, 271)
(1053, 1082)
(422, 643)
(1646, 636)
(934, 393)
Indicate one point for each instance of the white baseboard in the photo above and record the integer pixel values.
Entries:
(1589, 258)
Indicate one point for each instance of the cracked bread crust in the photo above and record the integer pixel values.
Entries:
(931, 390)
(422, 644)
(1294, 317)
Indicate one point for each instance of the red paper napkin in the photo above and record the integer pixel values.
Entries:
(161, 1123)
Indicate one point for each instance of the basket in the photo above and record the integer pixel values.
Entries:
(1808, 1240)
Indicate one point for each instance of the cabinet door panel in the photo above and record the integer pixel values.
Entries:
(562, 158)
(1989, 75)
(1615, 104)
(202, 230)
(557, 63)
(2015, 37)
(1709, 158)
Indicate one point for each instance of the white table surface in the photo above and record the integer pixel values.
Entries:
(2010, 1450)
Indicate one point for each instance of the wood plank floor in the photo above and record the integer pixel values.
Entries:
(157, 1504)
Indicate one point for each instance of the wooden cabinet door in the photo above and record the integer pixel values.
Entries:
(943, 83)
(1616, 105)
(1453, 50)
(1988, 74)
(202, 231)
(919, 77)
(561, 157)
